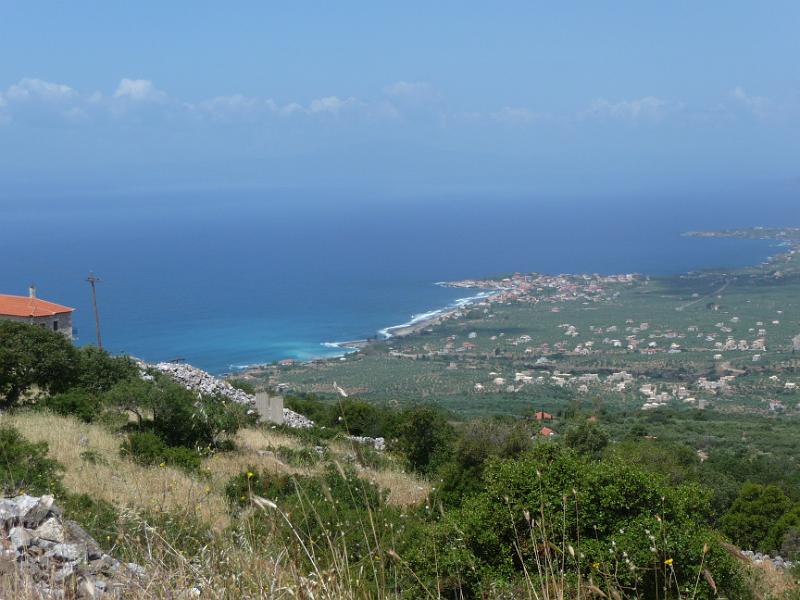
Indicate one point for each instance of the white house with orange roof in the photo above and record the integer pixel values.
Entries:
(30, 309)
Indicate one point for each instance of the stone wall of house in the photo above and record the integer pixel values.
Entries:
(64, 321)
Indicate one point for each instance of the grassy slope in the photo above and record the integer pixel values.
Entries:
(166, 489)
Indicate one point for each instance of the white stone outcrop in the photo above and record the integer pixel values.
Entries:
(201, 381)
(58, 559)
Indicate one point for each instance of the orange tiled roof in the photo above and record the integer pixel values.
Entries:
(25, 306)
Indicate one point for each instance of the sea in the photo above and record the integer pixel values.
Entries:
(229, 279)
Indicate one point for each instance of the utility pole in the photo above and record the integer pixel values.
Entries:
(92, 280)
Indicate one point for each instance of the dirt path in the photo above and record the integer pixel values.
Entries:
(712, 294)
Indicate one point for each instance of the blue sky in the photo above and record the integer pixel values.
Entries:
(522, 97)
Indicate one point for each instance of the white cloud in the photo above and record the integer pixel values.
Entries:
(139, 90)
(332, 105)
(758, 105)
(410, 89)
(647, 108)
(31, 88)
(517, 115)
(413, 94)
(238, 104)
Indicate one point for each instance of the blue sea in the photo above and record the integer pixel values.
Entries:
(236, 278)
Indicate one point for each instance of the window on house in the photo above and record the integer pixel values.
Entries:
(55, 325)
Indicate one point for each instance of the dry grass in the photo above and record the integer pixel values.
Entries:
(404, 489)
(769, 583)
(124, 483)
(119, 481)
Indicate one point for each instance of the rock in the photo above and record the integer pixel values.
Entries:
(87, 589)
(76, 534)
(198, 380)
(68, 552)
(40, 510)
(19, 538)
(68, 570)
(136, 570)
(51, 530)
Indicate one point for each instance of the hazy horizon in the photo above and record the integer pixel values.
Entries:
(577, 99)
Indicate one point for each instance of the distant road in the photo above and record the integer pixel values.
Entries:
(714, 293)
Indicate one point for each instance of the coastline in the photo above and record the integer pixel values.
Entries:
(492, 290)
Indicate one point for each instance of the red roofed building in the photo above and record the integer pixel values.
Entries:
(30, 309)
(546, 432)
(542, 416)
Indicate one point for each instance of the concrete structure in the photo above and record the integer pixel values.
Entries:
(30, 309)
(269, 408)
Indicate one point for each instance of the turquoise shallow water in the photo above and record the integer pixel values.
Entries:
(230, 280)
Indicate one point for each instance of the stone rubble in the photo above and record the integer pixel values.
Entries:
(777, 561)
(377, 443)
(58, 559)
(198, 380)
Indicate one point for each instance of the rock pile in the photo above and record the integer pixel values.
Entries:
(205, 383)
(777, 561)
(58, 559)
(377, 443)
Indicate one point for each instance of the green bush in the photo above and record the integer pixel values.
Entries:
(300, 457)
(424, 436)
(148, 449)
(97, 517)
(261, 483)
(78, 402)
(753, 515)
(246, 386)
(479, 441)
(587, 438)
(24, 466)
(183, 419)
(144, 448)
(612, 514)
(183, 458)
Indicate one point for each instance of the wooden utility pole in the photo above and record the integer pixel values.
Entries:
(92, 280)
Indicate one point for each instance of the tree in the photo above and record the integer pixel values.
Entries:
(784, 535)
(587, 438)
(99, 371)
(752, 515)
(33, 356)
(424, 436)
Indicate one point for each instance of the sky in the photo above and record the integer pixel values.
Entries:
(574, 98)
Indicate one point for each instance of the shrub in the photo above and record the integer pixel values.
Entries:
(479, 441)
(241, 384)
(424, 436)
(183, 458)
(78, 402)
(753, 514)
(183, 419)
(148, 449)
(98, 517)
(261, 483)
(611, 514)
(144, 448)
(24, 466)
(587, 438)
